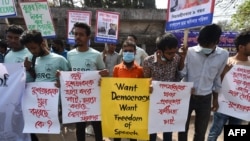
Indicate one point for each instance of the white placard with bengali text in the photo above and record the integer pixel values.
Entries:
(234, 97)
(40, 108)
(168, 107)
(80, 95)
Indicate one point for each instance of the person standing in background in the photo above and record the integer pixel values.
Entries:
(110, 57)
(3, 50)
(242, 44)
(58, 47)
(164, 65)
(140, 53)
(203, 66)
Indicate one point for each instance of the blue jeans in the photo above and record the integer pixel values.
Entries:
(219, 120)
(202, 107)
(167, 136)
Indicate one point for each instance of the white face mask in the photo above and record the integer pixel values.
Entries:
(205, 50)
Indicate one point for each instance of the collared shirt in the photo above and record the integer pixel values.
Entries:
(140, 55)
(122, 71)
(110, 61)
(204, 70)
(161, 71)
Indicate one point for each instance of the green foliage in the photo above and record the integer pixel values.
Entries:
(241, 19)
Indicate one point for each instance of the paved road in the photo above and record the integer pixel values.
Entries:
(69, 135)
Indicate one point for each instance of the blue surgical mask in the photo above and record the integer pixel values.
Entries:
(128, 57)
(206, 50)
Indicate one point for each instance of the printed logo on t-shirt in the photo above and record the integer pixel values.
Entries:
(19, 60)
(47, 72)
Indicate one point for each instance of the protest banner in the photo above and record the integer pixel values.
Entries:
(12, 85)
(37, 17)
(234, 97)
(107, 27)
(80, 96)
(169, 104)
(184, 14)
(124, 107)
(40, 108)
(7, 8)
(76, 16)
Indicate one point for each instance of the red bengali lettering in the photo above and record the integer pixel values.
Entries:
(169, 121)
(44, 91)
(78, 106)
(90, 118)
(170, 101)
(89, 100)
(173, 87)
(167, 110)
(39, 112)
(72, 99)
(85, 91)
(42, 102)
(76, 76)
(77, 113)
(169, 94)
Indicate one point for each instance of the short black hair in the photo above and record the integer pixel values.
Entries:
(129, 43)
(3, 44)
(166, 41)
(84, 26)
(31, 36)
(242, 39)
(58, 41)
(133, 36)
(209, 34)
(16, 29)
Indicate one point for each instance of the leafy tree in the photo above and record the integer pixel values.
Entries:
(241, 18)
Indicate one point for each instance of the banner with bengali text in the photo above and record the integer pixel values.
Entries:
(40, 108)
(37, 17)
(184, 14)
(77, 16)
(7, 8)
(12, 85)
(124, 107)
(234, 97)
(169, 104)
(107, 27)
(80, 95)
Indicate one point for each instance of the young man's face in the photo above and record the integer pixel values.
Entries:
(13, 41)
(35, 48)
(111, 47)
(169, 54)
(81, 37)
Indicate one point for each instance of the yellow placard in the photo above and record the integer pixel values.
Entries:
(124, 107)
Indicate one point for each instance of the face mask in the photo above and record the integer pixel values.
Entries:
(163, 58)
(128, 57)
(206, 50)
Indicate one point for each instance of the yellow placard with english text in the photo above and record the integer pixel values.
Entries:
(124, 107)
